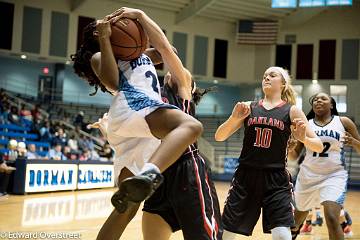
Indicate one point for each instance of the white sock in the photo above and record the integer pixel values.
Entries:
(281, 233)
(229, 235)
(149, 166)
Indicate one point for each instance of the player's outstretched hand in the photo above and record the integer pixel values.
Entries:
(349, 140)
(241, 111)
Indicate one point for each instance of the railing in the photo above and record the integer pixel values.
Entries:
(69, 96)
(16, 101)
(98, 142)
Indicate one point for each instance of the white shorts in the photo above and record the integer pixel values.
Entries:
(128, 132)
(311, 189)
(127, 116)
(133, 153)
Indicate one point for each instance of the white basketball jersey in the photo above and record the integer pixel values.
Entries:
(331, 159)
(139, 75)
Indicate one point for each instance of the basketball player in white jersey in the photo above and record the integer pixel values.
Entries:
(322, 178)
(137, 110)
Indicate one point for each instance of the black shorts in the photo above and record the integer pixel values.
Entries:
(187, 199)
(253, 189)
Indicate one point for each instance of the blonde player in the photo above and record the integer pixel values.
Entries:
(261, 181)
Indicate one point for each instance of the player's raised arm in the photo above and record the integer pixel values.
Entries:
(158, 39)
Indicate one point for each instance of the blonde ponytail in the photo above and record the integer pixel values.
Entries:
(288, 93)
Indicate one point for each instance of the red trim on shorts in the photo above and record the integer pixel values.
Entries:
(208, 228)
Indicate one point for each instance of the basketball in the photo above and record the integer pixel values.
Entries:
(128, 42)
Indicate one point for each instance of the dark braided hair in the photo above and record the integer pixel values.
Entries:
(83, 56)
(311, 114)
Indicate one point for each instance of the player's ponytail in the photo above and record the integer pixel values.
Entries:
(288, 93)
(198, 93)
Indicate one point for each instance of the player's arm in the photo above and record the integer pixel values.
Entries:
(103, 63)
(302, 131)
(160, 42)
(234, 122)
(294, 152)
(352, 137)
(155, 56)
(101, 124)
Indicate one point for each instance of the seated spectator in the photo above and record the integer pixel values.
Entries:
(5, 113)
(14, 117)
(94, 155)
(36, 114)
(73, 143)
(5, 172)
(45, 134)
(86, 143)
(21, 149)
(106, 152)
(70, 154)
(60, 138)
(13, 153)
(56, 154)
(31, 153)
(25, 113)
(79, 119)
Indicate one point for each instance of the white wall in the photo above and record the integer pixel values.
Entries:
(245, 63)
(331, 23)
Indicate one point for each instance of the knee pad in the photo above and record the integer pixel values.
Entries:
(281, 233)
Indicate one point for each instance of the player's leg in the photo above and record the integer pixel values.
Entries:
(332, 213)
(177, 130)
(243, 204)
(307, 227)
(277, 204)
(281, 233)
(299, 217)
(319, 220)
(201, 219)
(154, 227)
(346, 222)
(116, 223)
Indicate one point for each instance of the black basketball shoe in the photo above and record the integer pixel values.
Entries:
(136, 189)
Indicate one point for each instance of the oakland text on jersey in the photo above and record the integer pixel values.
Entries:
(266, 121)
(142, 60)
(328, 133)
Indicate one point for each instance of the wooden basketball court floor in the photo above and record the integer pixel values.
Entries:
(83, 212)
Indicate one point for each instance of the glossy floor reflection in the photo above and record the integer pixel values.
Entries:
(83, 212)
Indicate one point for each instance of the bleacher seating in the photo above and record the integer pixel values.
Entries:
(17, 135)
(13, 127)
(12, 131)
